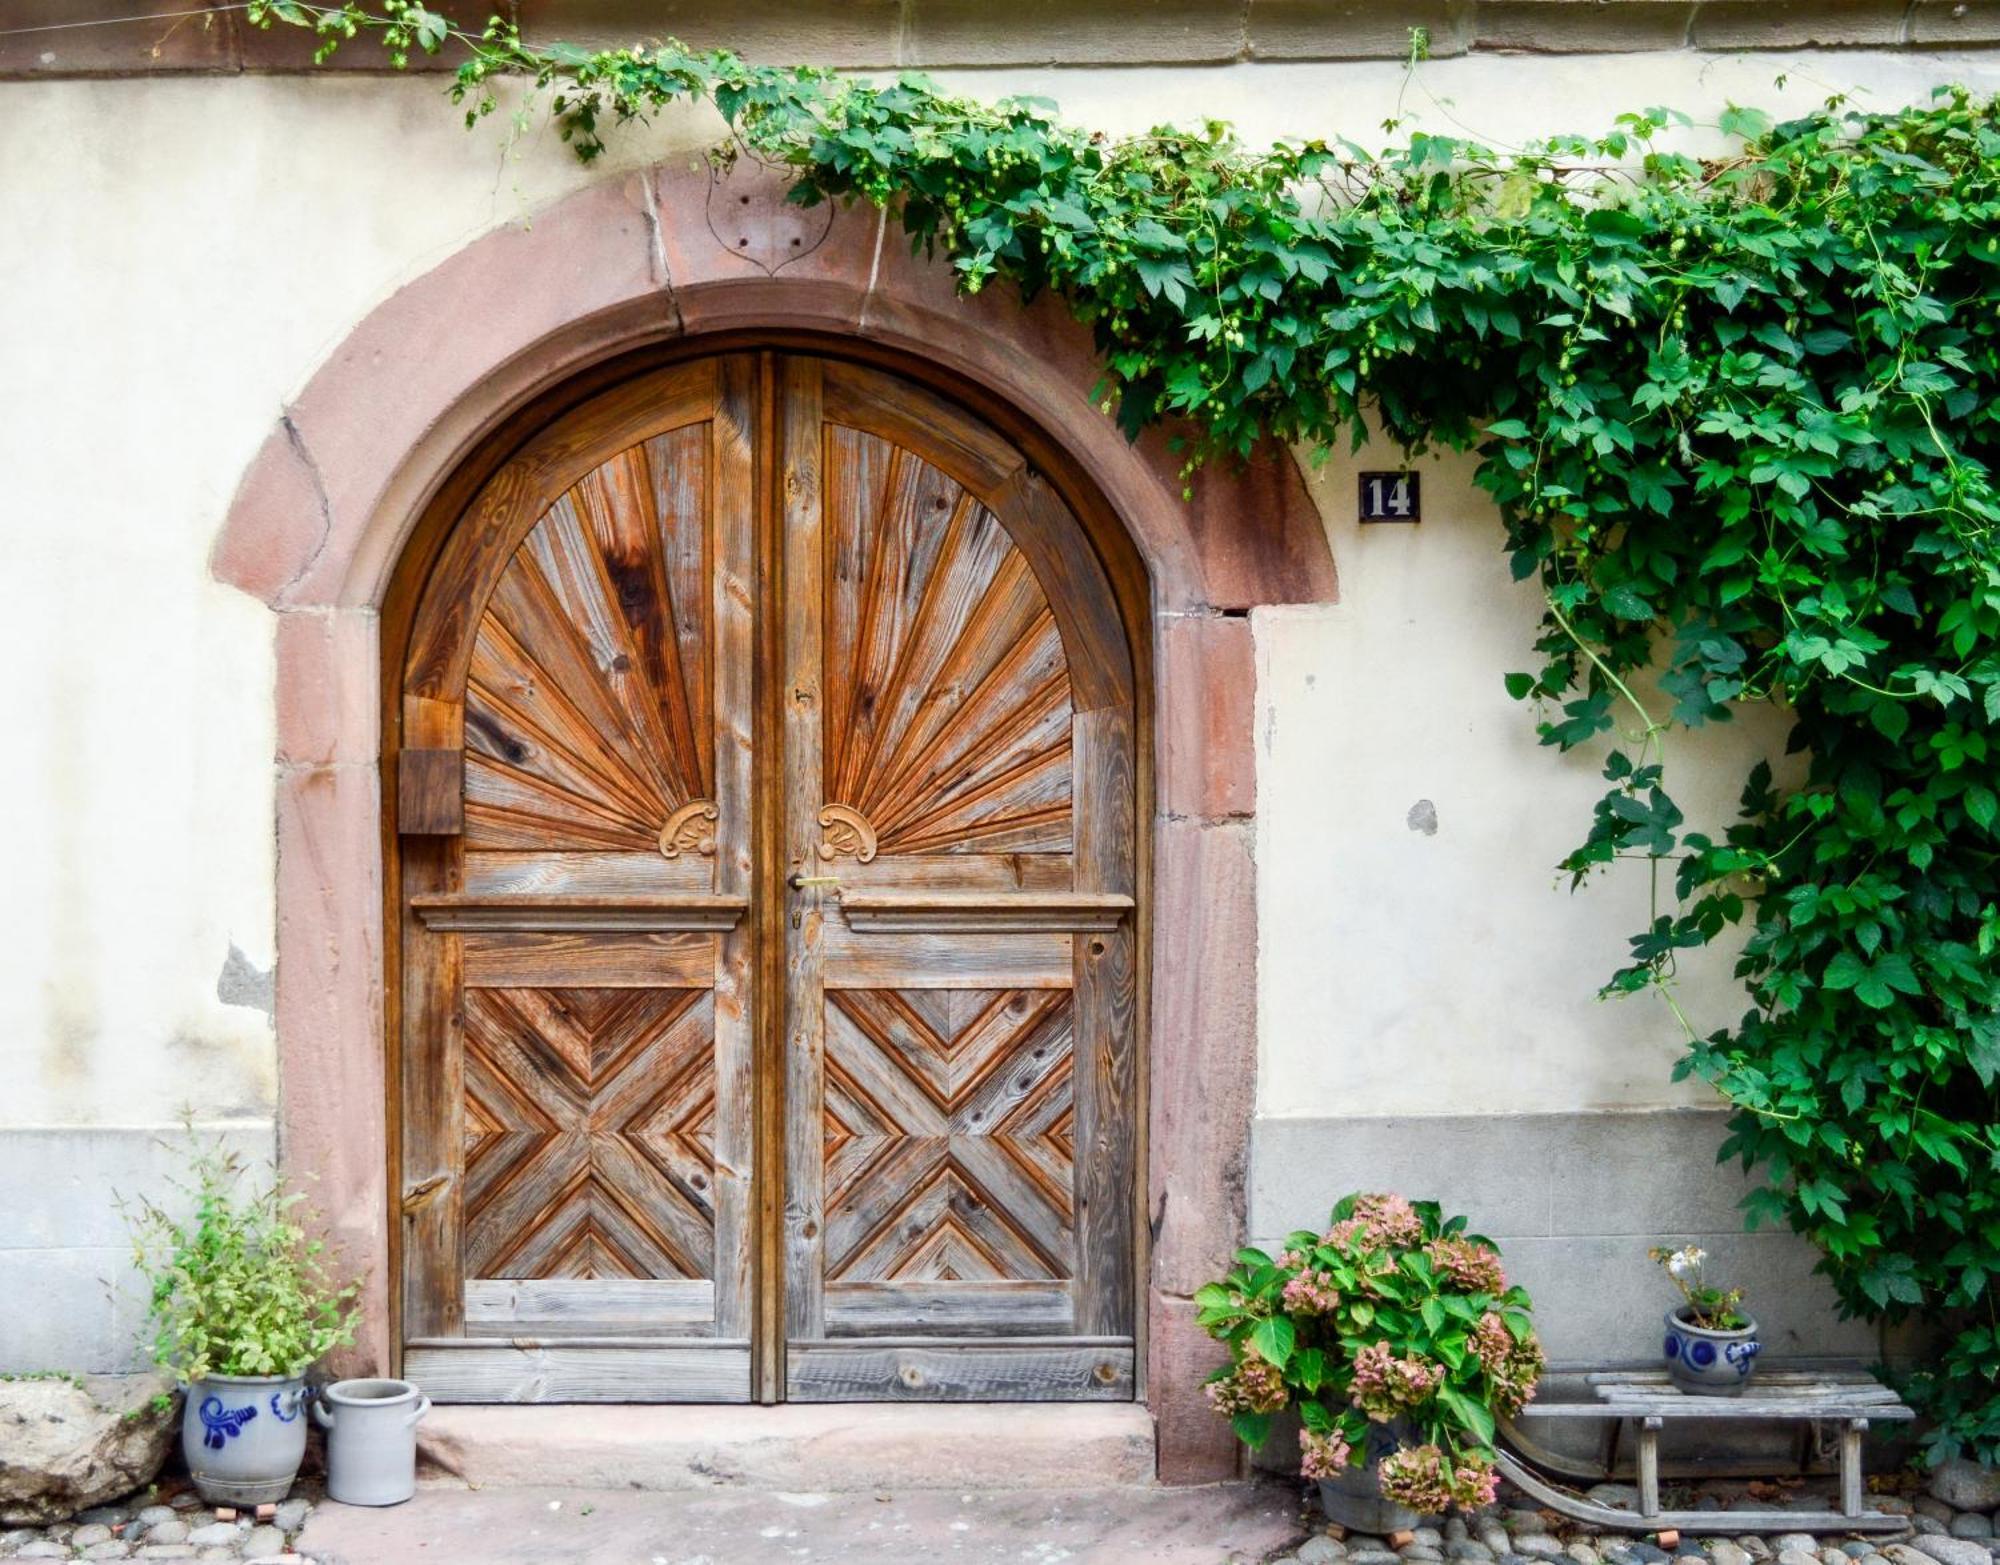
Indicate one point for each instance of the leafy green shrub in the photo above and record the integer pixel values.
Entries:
(239, 1287)
(1394, 1316)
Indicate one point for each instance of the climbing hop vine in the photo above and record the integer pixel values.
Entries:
(1737, 414)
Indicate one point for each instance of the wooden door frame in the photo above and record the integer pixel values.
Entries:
(332, 522)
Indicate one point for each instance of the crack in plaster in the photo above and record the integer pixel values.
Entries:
(297, 441)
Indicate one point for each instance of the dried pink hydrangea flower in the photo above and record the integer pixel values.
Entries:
(1323, 1456)
(1417, 1476)
(1311, 1293)
(1390, 1220)
(1385, 1385)
(1472, 1267)
(1253, 1386)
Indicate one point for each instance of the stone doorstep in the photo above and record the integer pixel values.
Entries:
(824, 1448)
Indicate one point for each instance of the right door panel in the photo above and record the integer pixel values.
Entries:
(959, 827)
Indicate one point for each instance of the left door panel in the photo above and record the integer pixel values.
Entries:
(575, 802)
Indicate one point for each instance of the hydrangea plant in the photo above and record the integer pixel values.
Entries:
(1394, 1315)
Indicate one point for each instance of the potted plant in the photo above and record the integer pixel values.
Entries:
(241, 1304)
(1711, 1344)
(1397, 1340)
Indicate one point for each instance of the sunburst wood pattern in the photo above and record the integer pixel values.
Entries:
(949, 1130)
(947, 696)
(589, 1132)
(588, 713)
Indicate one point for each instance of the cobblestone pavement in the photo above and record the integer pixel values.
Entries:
(1233, 1524)
(166, 1524)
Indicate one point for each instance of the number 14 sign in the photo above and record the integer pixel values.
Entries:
(1390, 497)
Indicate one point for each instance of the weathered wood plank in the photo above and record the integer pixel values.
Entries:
(805, 685)
(1106, 1028)
(1048, 534)
(430, 793)
(531, 872)
(731, 547)
(950, 1309)
(606, 961)
(432, 1104)
(1769, 1409)
(855, 960)
(884, 1372)
(983, 912)
(572, 911)
(633, 1369)
(589, 1306)
(960, 872)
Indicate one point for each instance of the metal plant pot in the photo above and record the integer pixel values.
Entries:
(1353, 1497)
(1707, 1363)
(371, 1440)
(244, 1437)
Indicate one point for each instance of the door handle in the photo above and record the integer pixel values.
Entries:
(799, 882)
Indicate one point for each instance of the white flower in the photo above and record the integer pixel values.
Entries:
(1686, 1263)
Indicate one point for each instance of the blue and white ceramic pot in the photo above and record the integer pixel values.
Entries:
(1708, 1363)
(244, 1436)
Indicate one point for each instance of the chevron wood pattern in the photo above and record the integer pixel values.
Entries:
(947, 696)
(589, 1133)
(588, 713)
(948, 1135)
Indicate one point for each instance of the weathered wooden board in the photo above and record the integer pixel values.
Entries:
(615, 960)
(589, 1306)
(950, 1309)
(607, 1370)
(959, 1372)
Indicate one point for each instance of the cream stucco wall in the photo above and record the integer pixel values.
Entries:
(176, 256)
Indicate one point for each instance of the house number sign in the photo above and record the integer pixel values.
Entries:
(1390, 497)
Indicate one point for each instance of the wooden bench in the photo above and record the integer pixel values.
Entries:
(1649, 1400)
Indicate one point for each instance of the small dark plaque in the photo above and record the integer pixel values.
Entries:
(1390, 497)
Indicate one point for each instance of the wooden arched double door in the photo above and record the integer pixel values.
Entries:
(766, 850)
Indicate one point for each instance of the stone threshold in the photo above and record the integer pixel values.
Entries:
(820, 1448)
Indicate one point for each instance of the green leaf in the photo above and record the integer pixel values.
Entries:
(1273, 1338)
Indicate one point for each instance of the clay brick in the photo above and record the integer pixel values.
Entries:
(1943, 24)
(327, 689)
(157, 38)
(778, 32)
(332, 1129)
(277, 521)
(1196, 1444)
(1797, 24)
(1072, 32)
(1354, 29)
(1581, 26)
(1204, 1046)
(1253, 526)
(1208, 696)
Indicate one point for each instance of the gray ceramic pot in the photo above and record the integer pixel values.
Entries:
(371, 1440)
(1707, 1363)
(1353, 1497)
(244, 1437)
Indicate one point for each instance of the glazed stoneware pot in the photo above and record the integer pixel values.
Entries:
(1353, 1497)
(1707, 1363)
(244, 1437)
(371, 1439)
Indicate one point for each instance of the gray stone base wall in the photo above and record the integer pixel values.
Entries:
(1574, 1201)
(69, 1298)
